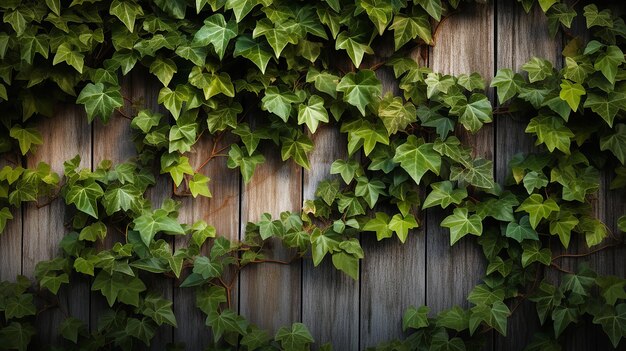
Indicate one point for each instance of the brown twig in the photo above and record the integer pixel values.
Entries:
(559, 268)
(586, 253)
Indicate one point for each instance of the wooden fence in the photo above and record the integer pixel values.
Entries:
(351, 314)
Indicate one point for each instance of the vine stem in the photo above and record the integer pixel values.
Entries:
(561, 269)
(585, 253)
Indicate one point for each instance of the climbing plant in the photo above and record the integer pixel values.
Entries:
(263, 72)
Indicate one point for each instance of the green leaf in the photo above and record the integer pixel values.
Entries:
(217, 32)
(17, 335)
(118, 287)
(522, 231)
(563, 225)
(507, 83)
(407, 28)
(93, 232)
(476, 112)
(241, 8)
(126, 11)
(571, 93)
(279, 103)
(597, 18)
(5, 215)
(562, 317)
(199, 185)
(297, 150)
(71, 327)
(546, 4)
(54, 6)
(143, 329)
(255, 339)
(164, 69)
(360, 89)
(444, 194)
(252, 50)
(100, 101)
(606, 105)
(534, 253)
(538, 69)
(551, 130)
(369, 190)
(537, 208)
(85, 197)
(247, 164)
(28, 138)
(66, 54)
(395, 115)
(203, 266)
(433, 7)
(613, 322)
(612, 288)
(312, 113)
(616, 143)
(295, 339)
(417, 157)
(324, 81)
(347, 169)
(415, 318)
(401, 225)
(380, 13)
(19, 306)
(607, 62)
(534, 180)
(149, 224)
(546, 298)
(354, 47)
(380, 225)
(461, 223)
(327, 190)
(177, 169)
(455, 318)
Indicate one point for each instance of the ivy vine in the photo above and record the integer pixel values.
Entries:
(222, 61)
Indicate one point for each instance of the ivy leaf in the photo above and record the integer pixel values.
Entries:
(71, 327)
(534, 253)
(241, 8)
(613, 322)
(54, 6)
(551, 131)
(85, 197)
(126, 11)
(380, 13)
(142, 329)
(612, 288)
(312, 113)
(73, 58)
(546, 298)
(415, 318)
(395, 115)
(297, 149)
(5, 215)
(597, 18)
(606, 105)
(100, 101)
(562, 317)
(93, 232)
(507, 83)
(537, 208)
(360, 89)
(324, 81)
(294, 339)
(521, 231)
(255, 338)
(17, 335)
(407, 28)
(571, 93)
(417, 157)
(217, 32)
(327, 190)
(252, 50)
(476, 112)
(354, 47)
(371, 135)
(607, 62)
(347, 169)
(279, 103)
(401, 225)
(534, 180)
(119, 287)
(380, 225)
(444, 194)
(369, 190)
(177, 169)
(538, 69)
(150, 223)
(563, 225)
(26, 137)
(433, 7)
(616, 143)
(247, 164)
(199, 185)
(163, 69)
(461, 223)
(19, 306)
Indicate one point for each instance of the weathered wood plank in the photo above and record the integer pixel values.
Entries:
(393, 274)
(11, 240)
(464, 44)
(270, 294)
(220, 211)
(520, 36)
(330, 298)
(65, 135)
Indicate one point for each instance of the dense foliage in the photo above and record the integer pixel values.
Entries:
(220, 61)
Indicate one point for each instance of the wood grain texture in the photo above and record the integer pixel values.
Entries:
(330, 298)
(220, 211)
(520, 36)
(464, 44)
(270, 294)
(11, 240)
(65, 135)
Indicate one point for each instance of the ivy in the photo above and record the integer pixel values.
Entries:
(252, 74)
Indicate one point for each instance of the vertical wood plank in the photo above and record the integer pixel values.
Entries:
(220, 211)
(520, 36)
(330, 298)
(392, 274)
(270, 294)
(11, 241)
(65, 135)
(464, 44)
